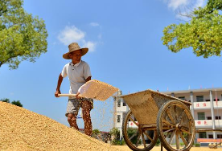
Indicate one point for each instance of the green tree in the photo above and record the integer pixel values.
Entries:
(22, 37)
(96, 132)
(5, 100)
(202, 33)
(18, 103)
(115, 133)
(131, 132)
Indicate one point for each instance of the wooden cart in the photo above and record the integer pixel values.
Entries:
(154, 115)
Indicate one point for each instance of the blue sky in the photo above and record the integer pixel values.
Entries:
(126, 51)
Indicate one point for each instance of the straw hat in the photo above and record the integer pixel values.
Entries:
(73, 47)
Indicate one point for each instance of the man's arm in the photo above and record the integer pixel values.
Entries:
(89, 78)
(58, 86)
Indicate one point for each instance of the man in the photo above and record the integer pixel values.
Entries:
(78, 72)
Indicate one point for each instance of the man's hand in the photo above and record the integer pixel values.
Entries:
(77, 95)
(57, 93)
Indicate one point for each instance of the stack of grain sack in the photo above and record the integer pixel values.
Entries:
(23, 130)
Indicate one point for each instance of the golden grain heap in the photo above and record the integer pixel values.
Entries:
(23, 130)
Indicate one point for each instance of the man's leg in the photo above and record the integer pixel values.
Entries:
(86, 108)
(72, 111)
(72, 120)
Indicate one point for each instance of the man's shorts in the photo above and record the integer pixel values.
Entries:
(74, 105)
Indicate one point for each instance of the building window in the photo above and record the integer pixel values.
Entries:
(216, 99)
(118, 118)
(182, 97)
(210, 136)
(124, 115)
(200, 98)
(133, 118)
(207, 100)
(202, 135)
(209, 118)
(119, 103)
(217, 117)
(219, 135)
(201, 115)
(124, 103)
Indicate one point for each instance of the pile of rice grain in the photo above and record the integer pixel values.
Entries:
(23, 130)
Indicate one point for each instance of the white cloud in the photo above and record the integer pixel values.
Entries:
(91, 45)
(70, 34)
(183, 8)
(199, 3)
(73, 34)
(190, 4)
(174, 4)
(94, 24)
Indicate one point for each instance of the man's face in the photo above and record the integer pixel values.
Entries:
(76, 56)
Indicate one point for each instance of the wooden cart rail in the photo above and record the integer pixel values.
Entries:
(155, 92)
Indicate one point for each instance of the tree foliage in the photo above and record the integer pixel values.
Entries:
(131, 132)
(96, 131)
(6, 100)
(18, 103)
(203, 33)
(115, 135)
(22, 37)
(114, 131)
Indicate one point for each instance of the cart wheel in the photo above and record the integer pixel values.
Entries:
(175, 126)
(136, 137)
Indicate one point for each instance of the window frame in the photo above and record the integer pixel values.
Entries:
(119, 103)
(182, 98)
(219, 135)
(202, 134)
(199, 116)
(202, 100)
(118, 118)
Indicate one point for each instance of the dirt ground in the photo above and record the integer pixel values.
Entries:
(126, 148)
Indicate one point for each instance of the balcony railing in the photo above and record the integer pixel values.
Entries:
(207, 105)
(202, 105)
(218, 104)
(198, 124)
(208, 123)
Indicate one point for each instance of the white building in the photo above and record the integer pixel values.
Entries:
(206, 109)
(120, 111)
